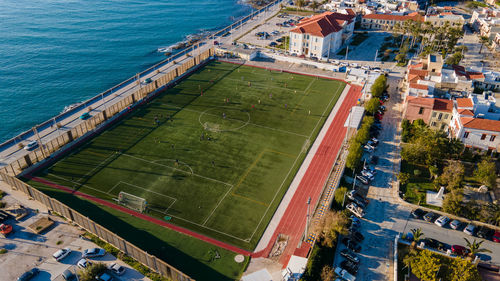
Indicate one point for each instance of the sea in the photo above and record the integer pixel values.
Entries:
(55, 53)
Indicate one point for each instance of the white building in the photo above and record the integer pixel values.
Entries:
(322, 34)
(475, 132)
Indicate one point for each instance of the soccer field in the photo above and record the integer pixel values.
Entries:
(214, 154)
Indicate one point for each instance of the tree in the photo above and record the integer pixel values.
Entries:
(403, 178)
(433, 171)
(327, 273)
(354, 156)
(454, 59)
(314, 5)
(330, 227)
(372, 105)
(463, 270)
(486, 173)
(91, 272)
(426, 266)
(453, 175)
(484, 40)
(417, 236)
(452, 202)
(475, 247)
(300, 3)
(379, 85)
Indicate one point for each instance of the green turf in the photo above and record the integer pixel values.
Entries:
(223, 177)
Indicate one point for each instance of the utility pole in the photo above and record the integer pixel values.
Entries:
(39, 142)
(346, 52)
(376, 54)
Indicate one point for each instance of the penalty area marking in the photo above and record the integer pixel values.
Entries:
(173, 160)
(147, 190)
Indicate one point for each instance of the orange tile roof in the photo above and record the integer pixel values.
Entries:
(413, 16)
(323, 24)
(480, 124)
(419, 86)
(464, 102)
(465, 112)
(443, 105)
(419, 72)
(425, 102)
(418, 65)
(350, 11)
(475, 75)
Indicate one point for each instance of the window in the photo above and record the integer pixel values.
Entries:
(492, 138)
(433, 124)
(466, 135)
(440, 116)
(446, 116)
(316, 39)
(434, 114)
(443, 126)
(421, 110)
(295, 44)
(483, 136)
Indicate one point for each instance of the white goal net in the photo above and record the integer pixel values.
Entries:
(132, 202)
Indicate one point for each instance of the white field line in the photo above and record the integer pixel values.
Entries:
(250, 123)
(218, 203)
(265, 86)
(96, 167)
(77, 183)
(207, 178)
(309, 86)
(173, 160)
(175, 199)
(324, 111)
(109, 191)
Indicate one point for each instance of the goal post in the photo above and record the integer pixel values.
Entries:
(132, 202)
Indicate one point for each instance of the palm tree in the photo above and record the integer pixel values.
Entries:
(314, 5)
(484, 40)
(417, 236)
(475, 247)
(300, 3)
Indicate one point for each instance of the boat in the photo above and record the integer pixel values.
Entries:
(70, 107)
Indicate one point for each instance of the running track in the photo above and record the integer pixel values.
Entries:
(293, 221)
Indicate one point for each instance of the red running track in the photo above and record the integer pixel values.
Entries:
(145, 217)
(293, 223)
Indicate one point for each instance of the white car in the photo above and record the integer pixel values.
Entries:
(470, 229)
(455, 224)
(83, 263)
(335, 62)
(61, 254)
(116, 268)
(367, 174)
(365, 67)
(355, 210)
(94, 252)
(31, 145)
(442, 221)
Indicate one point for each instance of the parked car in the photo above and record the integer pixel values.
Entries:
(69, 276)
(470, 229)
(368, 148)
(459, 250)
(374, 160)
(430, 216)
(116, 268)
(356, 235)
(435, 244)
(273, 44)
(496, 237)
(455, 224)
(349, 255)
(31, 145)
(442, 221)
(485, 232)
(351, 267)
(85, 116)
(344, 274)
(356, 210)
(94, 252)
(28, 274)
(363, 179)
(351, 245)
(148, 80)
(417, 213)
(365, 67)
(354, 195)
(61, 254)
(367, 175)
(5, 229)
(83, 263)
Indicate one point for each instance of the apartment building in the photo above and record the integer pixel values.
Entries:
(387, 21)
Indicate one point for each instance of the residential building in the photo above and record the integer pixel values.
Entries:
(387, 21)
(436, 113)
(440, 20)
(476, 132)
(490, 82)
(319, 35)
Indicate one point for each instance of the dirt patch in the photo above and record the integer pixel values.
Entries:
(41, 225)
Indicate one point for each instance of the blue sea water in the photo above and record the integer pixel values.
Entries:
(57, 52)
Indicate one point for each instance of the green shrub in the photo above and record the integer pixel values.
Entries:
(90, 273)
(417, 172)
(3, 251)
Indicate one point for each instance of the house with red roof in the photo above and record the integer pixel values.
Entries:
(477, 133)
(319, 35)
(387, 21)
(436, 113)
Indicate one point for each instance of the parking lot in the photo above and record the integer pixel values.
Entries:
(270, 31)
(26, 250)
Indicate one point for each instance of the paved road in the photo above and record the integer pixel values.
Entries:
(472, 58)
(386, 215)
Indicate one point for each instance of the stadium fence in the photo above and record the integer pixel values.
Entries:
(84, 222)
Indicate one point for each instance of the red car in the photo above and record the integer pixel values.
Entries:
(459, 250)
(5, 229)
(496, 237)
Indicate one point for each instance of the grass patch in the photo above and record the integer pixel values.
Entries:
(3, 251)
(416, 189)
(294, 11)
(320, 256)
